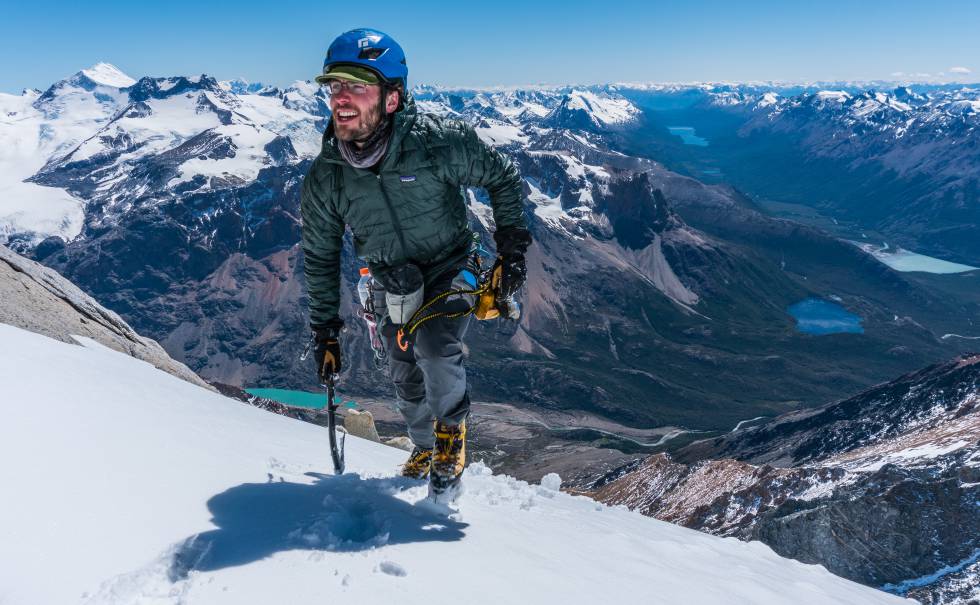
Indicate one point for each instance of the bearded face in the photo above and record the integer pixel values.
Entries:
(356, 116)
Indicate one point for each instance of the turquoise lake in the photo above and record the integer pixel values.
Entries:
(817, 316)
(688, 135)
(900, 259)
(301, 399)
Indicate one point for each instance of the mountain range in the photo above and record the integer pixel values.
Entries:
(901, 162)
(654, 299)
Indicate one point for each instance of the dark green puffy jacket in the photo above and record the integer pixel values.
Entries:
(411, 210)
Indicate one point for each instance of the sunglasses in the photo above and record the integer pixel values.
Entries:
(335, 86)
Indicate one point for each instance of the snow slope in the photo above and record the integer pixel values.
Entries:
(132, 486)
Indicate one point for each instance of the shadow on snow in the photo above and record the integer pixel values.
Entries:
(336, 513)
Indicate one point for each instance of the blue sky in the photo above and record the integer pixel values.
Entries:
(503, 42)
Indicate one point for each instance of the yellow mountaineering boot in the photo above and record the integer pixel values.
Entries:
(448, 460)
(418, 463)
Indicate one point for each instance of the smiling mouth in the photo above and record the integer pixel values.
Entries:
(345, 115)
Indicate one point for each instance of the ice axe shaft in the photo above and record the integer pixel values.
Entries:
(336, 449)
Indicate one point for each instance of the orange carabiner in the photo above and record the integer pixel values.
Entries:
(398, 339)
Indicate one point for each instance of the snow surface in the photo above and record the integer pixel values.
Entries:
(836, 96)
(482, 211)
(546, 207)
(127, 485)
(249, 159)
(768, 99)
(26, 142)
(436, 108)
(966, 106)
(269, 113)
(108, 74)
(494, 132)
(515, 108)
(916, 454)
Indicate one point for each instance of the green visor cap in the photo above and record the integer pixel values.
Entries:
(351, 73)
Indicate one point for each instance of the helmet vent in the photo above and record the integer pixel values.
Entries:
(371, 54)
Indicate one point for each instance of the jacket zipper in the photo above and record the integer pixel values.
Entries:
(394, 218)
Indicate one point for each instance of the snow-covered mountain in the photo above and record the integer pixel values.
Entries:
(903, 161)
(35, 127)
(881, 488)
(586, 110)
(133, 486)
(99, 140)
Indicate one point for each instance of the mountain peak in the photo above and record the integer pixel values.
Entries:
(605, 108)
(584, 109)
(108, 75)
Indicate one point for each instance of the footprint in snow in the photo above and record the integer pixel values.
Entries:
(392, 569)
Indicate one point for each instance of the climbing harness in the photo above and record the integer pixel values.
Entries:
(488, 305)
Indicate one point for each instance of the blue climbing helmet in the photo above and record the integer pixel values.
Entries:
(369, 48)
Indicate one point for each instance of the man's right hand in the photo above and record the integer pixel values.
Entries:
(326, 351)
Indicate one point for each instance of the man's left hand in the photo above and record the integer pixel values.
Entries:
(512, 243)
(513, 274)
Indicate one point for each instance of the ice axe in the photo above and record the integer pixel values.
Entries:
(336, 449)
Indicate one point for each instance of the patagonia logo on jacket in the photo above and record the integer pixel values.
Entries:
(408, 178)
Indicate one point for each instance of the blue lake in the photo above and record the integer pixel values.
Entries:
(688, 135)
(817, 316)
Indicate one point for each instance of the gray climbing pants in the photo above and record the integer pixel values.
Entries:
(427, 369)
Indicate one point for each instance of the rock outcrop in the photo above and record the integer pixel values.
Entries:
(36, 298)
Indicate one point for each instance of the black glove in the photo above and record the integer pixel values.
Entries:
(513, 274)
(512, 243)
(326, 350)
